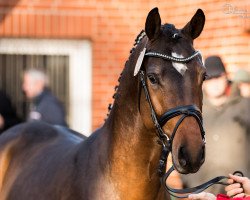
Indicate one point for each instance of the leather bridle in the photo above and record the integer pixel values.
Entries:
(166, 142)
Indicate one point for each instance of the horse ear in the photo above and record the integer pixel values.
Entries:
(153, 24)
(195, 26)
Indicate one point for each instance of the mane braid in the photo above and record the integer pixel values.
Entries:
(138, 39)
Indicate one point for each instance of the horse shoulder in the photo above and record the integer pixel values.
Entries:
(28, 141)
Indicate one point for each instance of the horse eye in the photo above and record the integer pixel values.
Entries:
(152, 79)
(176, 36)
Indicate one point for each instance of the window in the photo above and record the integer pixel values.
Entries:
(68, 64)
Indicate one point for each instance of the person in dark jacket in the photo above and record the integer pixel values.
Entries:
(44, 105)
(8, 116)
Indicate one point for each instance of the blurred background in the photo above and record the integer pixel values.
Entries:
(83, 46)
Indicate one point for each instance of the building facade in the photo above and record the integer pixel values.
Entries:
(92, 40)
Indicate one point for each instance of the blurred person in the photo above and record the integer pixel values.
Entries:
(242, 79)
(8, 116)
(226, 124)
(217, 86)
(239, 187)
(44, 105)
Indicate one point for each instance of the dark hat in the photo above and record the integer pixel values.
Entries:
(215, 67)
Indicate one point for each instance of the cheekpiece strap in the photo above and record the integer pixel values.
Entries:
(163, 137)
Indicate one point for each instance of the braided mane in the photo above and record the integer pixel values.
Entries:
(138, 39)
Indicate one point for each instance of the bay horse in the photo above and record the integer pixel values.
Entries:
(119, 161)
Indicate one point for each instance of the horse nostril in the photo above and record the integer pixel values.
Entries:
(183, 162)
(182, 157)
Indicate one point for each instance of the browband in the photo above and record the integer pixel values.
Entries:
(175, 59)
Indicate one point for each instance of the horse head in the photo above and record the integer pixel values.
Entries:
(174, 73)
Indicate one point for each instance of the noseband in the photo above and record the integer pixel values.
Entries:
(166, 142)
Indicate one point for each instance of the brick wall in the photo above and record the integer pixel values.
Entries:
(112, 26)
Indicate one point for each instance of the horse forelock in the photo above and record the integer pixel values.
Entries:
(168, 28)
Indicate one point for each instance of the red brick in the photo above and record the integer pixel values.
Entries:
(1, 24)
(8, 25)
(23, 24)
(54, 25)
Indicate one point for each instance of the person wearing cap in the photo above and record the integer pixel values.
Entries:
(227, 130)
(217, 86)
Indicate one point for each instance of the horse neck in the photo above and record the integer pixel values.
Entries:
(125, 120)
(134, 150)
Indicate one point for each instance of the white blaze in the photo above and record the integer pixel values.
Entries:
(180, 67)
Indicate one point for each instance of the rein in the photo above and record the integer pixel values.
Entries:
(183, 193)
(166, 142)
